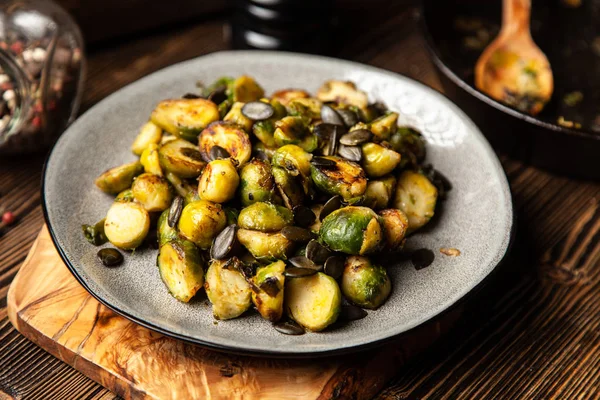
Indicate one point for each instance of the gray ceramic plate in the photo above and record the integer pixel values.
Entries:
(477, 216)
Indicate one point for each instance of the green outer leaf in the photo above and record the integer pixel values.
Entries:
(343, 230)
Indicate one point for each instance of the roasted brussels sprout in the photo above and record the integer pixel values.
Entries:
(126, 224)
(227, 289)
(181, 186)
(378, 160)
(219, 181)
(365, 284)
(152, 191)
(181, 268)
(185, 118)
(264, 131)
(165, 233)
(201, 221)
(149, 134)
(265, 217)
(410, 143)
(342, 92)
(228, 136)
(395, 226)
(292, 158)
(181, 158)
(294, 130)
(379, 192)
(267, 293)
(245, 90)
(150, 160)
(344, 178)
(307, 108)
(117, 179)
(263, 245)
(352, 230)
(256, 182)
(290, 187)
(416, 196)
(235, 115)
(286, 95)
(313, 301)
(385, 126)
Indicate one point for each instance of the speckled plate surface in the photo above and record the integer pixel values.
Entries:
(477, 217)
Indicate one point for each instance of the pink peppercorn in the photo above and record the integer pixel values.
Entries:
(8, 218)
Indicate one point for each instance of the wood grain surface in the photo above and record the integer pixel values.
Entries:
(534, 334)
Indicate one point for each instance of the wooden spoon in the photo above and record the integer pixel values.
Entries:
(513, 69)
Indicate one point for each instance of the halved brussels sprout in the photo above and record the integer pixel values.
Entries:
(313, 301)
(365, 284)
(267, 294)
(395, 226)
(410, 143)
(181, 268)
(150, 160)
(342, 92)
(263, 245)
(149, 134)
(263, 152)
(379, 192)
(185, 118)
(126, 224)
(201, 221)
(219, 181)
(385, 126)
(181, 158)
(291, 188)
(235, 115)
(294, 130)
(228, 136)
(345, 178)
(181, 186)
(246, 89)
(352, 230)
(286, 95)
(416, 196)
(378, 160)
(256, 182)
(165, 232)
(264, 131)
(308, 108)
(265, 217)
(152, 191)
(117, 179)
(227, 290)
(292, 157)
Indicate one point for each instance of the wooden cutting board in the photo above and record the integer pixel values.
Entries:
(48, 306)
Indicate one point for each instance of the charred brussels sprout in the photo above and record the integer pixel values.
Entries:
(181, 158)
(263, 245)
(365, 284)
(219, 181)
(152, 191)
(201, 221)
(149, 134)
(344, 178)
(395, 226)
(378, 160)
(410, 143)
(379, 192)
(126, 224)
(245, 89)
(256, 182)
(265, 217)
(307, 108)
(342, 92)
(290, 187)
(294, 130)
(235, 115)
(385, 126)
(150, 160)
(416, 196)
(181, 268)
(228, 136)
(227, 290)
(267, 293)
(185, 118)
(352, 230)
(165, 232)
(117, 179)
(292, 157)
(264, 131)
(313, 301)
(286, 95)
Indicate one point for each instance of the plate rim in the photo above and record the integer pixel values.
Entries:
(240, 350)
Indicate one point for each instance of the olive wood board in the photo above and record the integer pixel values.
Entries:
(49, 307)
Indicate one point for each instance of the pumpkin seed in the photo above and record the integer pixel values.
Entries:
(270, 286)
(303, 262)
(316, 252)
(295, 272)
(224, 243)
(191, 153)
(349, 117)
(334, 266)
(304, 216)
(324, 130)
(217, 152)
(218, 95)
(191, 96)
(351, 312)
(322, 162)
(258, 111)
(332, 204)
(330, 116)
(333, 142)
(288, 328)
(175, 211)
(297, 234)
(110, 257)
(350, 153)
(422, 258)
(356, 137)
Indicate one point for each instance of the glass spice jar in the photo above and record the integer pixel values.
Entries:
(41, 74)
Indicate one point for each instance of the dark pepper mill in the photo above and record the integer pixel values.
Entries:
(291, 25)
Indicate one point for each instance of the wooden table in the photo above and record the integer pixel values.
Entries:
(533, 333)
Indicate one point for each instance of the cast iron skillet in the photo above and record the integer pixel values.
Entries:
(570, 37)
